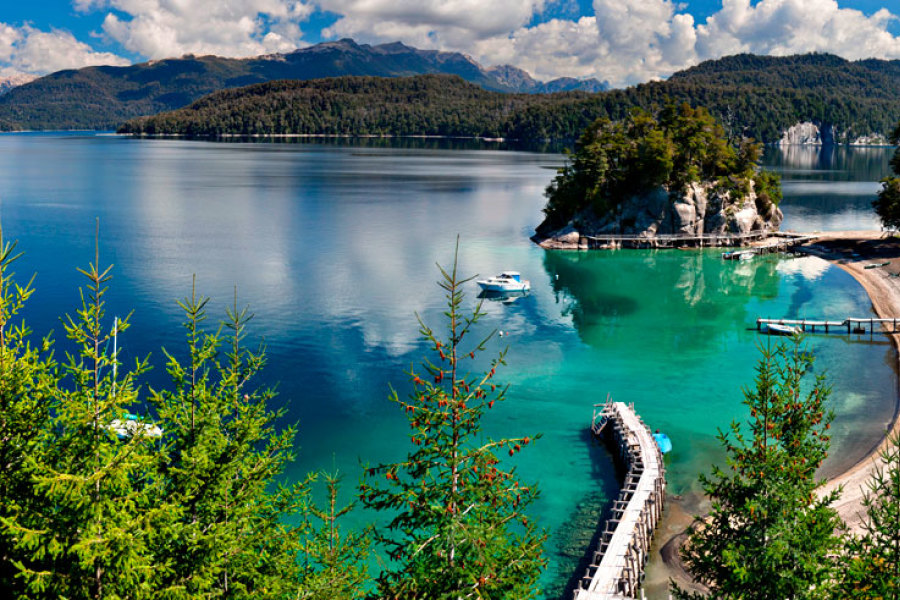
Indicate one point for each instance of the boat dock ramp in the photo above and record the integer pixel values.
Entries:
(852, 325)
(617, 567)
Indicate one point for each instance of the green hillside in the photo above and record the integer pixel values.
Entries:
(753, 96)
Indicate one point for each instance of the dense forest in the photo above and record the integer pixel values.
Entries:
(752, 96)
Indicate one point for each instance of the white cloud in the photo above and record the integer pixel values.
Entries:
(624, 41)
(796, 26)
(29, 50)
(443, 24)
(164, 28)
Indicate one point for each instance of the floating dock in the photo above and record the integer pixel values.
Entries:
(851, 324)
(617, 568)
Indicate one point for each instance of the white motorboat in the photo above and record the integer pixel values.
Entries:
(779, 329)
(130, 425)
(507, 281)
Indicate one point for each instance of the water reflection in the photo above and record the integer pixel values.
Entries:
(829, 187)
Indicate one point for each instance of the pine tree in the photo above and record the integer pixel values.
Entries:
(28, 378)
(227, 535)
(872, 564)
(768, 534)
(334, 566)
(887, 204)
(86, 532)
(458, 528)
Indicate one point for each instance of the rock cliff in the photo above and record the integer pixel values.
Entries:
(807, 133)
(702, 209)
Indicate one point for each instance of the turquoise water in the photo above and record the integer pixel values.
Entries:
(334, 248)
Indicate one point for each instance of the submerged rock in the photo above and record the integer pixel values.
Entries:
(703, 209)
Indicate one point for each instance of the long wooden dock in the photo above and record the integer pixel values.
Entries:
(852, 325)
(617, 568)
(777, 241)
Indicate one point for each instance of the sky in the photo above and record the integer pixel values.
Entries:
(620, 41)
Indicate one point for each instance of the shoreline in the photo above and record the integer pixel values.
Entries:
(849, 251)
(882, 285)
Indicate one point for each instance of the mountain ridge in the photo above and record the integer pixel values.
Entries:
(103, 97)
(759, 97)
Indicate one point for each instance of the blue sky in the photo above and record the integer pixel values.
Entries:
(622, 41)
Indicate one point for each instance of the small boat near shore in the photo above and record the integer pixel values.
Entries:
(738, 255)
(507, 281)
(779, 329)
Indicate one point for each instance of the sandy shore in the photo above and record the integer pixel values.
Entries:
(851, 251)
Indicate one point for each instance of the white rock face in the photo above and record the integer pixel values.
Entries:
(874, 139)
(703, 209)
(801, 134)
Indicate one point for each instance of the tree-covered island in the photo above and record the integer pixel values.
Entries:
(673, 172)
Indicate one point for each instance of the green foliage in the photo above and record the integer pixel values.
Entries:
(871, 568)
(768, 534)
(680, 146)
(754, 97)
(457, 524)
(334, 566)
(224, 535)
(86, 531)
(887, 203)
(28, 378)
(93, 508)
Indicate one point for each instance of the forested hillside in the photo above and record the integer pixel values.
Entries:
(104, 97)
(759, 97)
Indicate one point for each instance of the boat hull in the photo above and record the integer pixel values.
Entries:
(776, 329)
(488, 286)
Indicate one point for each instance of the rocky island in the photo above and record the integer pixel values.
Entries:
(672, 174)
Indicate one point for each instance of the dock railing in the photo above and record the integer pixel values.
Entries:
(617, 567)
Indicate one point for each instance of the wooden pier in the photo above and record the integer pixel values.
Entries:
(613, 241)
(776, 241)
(617, 568)
(851, 325)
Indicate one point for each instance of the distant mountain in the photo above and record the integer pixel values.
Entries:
(518, 80)
(759, 97)
(104, 97)
(9, 82)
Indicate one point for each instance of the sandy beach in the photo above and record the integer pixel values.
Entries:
(851, 251)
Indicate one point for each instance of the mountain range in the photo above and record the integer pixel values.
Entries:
(764, 98)
(105, 96)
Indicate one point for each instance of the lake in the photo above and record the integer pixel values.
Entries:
(334, 248)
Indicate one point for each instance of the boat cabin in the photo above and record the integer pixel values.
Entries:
(514, 275)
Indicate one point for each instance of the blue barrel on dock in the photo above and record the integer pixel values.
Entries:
(663, 441)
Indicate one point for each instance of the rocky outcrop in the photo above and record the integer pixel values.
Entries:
(704, 209)
(807, 133)
(873, 139)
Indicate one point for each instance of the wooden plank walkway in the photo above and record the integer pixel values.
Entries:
(617, 567)
(778, 241)
(852, 325)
